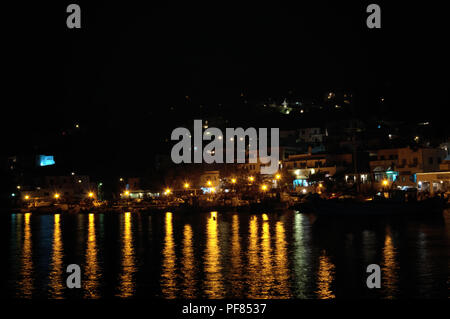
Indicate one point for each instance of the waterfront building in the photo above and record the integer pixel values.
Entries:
(433, 182)
(400, 166)
(62, 188)
(302, 166)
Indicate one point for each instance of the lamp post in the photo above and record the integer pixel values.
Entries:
(127, 194)
(233, 182)
(385, 185)
(277, 180)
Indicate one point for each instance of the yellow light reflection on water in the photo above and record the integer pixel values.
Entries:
(253, 260)
(92, 272)
(236, 260)
(127, 284)
(188, 262)
(55, 277)
(213, 271)
(25, 283)
(168, 283)
(266, 271)
(389, 266)
(281, 262)
(325, 277)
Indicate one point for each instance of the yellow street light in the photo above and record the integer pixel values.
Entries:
(320, 185)
(385, 182)
(56, 195)
(278, 176)
(233, 180)
(91, 194)
(127, 193)
(251, 178)
(264, 187)
(167, 191)
(27, 197)
(209, 183)
(213, 189)
(186, 185)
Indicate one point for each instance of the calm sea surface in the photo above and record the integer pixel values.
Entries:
(224, 255)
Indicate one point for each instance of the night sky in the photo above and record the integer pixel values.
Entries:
(128, 71)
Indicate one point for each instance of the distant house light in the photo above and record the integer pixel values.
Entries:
(46, 160)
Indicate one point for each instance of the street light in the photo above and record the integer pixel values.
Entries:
(167, 191)
(127, 193)
(91, 194)
(209, 183)
(186, 185)
(278, 176)
(251, 178)
(385, 182)
(233, 180)
(263, 187)
(27, 197)
(56, 196)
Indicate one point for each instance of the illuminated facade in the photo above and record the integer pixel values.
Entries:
(401, 165)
